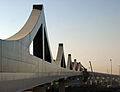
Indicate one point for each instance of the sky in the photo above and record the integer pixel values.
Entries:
(89, 29)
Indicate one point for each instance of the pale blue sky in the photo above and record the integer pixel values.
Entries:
(89, 29)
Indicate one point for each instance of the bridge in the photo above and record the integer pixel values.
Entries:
(20, 71)
(102, 79)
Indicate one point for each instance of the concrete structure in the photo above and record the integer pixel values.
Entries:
(60, 60)
(74, 65)
(19, 70)
(69, 62)
(103, 79)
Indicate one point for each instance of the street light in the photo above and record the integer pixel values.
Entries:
(119, 69)
(111, 71)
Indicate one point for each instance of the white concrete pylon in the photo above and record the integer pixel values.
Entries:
(75, 65)
(79, 66)
(60, 60)
(69, 62)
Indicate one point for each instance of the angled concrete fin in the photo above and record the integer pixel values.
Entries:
(79, 66)
(60, 60)
(35, 30)
(75, 65)
(69, 62)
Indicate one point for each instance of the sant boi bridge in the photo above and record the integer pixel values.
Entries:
(19, 70)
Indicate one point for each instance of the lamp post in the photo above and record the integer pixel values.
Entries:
(119, 69)
(111, 71)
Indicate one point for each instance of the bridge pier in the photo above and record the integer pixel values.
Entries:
(39, 89)
(61, 86)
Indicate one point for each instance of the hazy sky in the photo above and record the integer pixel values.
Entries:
(89, 29)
